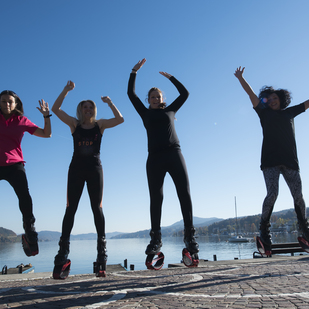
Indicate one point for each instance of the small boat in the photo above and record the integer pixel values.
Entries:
(19, 269)
(238, 238)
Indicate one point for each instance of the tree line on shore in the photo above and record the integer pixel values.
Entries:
(245, 225)
(8, 236)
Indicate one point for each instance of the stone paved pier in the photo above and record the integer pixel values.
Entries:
(277, 282)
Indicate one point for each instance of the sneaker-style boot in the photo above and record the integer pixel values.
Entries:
(102, 256)
(30, 233)
(189, 240)
(30, 238)
(155, 242)
(64, 250)
(265, 233)
(303, 227)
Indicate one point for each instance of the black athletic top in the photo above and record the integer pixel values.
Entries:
(159, 123)
(279, 145)
(87, 143)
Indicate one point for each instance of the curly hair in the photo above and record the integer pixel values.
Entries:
(283, 94)
(19, 109)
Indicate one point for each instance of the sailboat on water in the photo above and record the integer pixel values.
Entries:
(238, 238)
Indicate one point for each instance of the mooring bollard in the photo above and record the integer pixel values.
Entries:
(215, 257)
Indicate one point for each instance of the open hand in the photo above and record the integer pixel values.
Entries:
(239, 71)
(139, 64)
(44, 108)
(167, 75)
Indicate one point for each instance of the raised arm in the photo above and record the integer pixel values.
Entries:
(63, 116)
(253, 97)
(137, 103)
(112, 122)
(306, 104)
(183, 92)
(44, 110)
(165, 74)
(138, 65)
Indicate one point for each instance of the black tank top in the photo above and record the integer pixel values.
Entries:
(87, 144)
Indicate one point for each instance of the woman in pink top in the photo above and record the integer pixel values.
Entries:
(12, 127)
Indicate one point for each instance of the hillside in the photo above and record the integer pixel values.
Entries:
(54, 236)
(171, 230)
(7, 235)
(250, 224)
(246, 225)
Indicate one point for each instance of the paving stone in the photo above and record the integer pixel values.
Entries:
(277, 282)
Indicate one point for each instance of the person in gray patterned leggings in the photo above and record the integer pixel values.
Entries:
(279, 153)
(292, 178)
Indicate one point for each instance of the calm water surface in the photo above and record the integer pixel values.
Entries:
(83, 253)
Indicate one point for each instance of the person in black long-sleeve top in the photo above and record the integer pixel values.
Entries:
(164, 156)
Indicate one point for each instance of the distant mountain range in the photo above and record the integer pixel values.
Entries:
(9, 236)
(172, 230)
(50, 236)
(169, 230)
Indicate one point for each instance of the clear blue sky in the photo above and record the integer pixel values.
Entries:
(96, 43)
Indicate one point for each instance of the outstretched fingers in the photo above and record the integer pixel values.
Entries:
(165, 74)
(139, 64)
(239, 71)
(44, 108)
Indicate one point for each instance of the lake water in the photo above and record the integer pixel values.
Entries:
(83, 252)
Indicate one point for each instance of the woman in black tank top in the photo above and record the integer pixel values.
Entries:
(85, 167)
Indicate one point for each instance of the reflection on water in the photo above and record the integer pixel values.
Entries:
(83, 252)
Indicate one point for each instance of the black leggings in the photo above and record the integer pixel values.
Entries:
(15, 174)
(77, 177)
(158, 164)
(292, 178)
